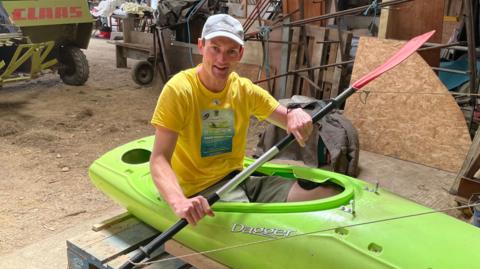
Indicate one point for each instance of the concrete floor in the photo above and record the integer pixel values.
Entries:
(425, 185)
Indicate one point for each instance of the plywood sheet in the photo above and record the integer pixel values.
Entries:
(410, 19)
(311, 8)
(409, 113)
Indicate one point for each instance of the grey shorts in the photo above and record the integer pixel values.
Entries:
(257, 188)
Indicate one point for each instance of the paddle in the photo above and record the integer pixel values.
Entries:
(409, 48)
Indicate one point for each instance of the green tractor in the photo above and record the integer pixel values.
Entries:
(44, 34)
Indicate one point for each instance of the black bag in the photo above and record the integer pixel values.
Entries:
(171, 12)
(333, 143)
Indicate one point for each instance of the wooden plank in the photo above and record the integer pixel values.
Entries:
(383, 22)
(128, 26)
(292, 60)
(119, 238)
(454, 8)
(142, 38)
(164, 62)
(328, 74)
(322, 73)
(413, 18)
(412, 117)
(284, 63)
(318, 56)
(299, 63)
(111, 221)
(315, 36)
(339, 71)
(192, 257)
(472, 155)
(312, 8)
(323, 46)
(121, 60)
(135, 46)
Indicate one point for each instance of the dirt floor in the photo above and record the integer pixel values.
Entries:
(51, 132)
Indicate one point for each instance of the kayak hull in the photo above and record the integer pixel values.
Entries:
(385, 230)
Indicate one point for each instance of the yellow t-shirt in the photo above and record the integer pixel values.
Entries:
(212, 127)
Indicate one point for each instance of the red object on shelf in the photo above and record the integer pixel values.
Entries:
(105, 35)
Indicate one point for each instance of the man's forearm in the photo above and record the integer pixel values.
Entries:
(166, 181)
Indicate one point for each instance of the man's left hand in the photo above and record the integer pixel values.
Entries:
(299, 123)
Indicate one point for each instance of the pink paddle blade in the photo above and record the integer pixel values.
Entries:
(408, 49)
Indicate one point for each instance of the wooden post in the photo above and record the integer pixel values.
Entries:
(472, 54)
(286, 36)
(470, 164)
(128, 23)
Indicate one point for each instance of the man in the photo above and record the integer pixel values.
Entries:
(201, 121)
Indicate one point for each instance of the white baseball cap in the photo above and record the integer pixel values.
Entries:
(223, 25)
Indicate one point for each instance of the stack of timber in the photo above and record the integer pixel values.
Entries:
(289, 50)
(322, 46)
(111, 243)
(467, 184)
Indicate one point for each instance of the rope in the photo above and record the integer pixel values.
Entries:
(423, 93)
(364, 94)
(373, 6)
(272, 239)
(265, 35)
(192, 12)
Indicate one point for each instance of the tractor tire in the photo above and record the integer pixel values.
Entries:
(73, 66)
(143, 73)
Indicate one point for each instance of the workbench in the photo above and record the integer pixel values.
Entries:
(112, 242)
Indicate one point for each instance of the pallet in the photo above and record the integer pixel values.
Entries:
(112, 242)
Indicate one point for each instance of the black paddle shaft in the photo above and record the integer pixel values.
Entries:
(334, 103)
(145, 251)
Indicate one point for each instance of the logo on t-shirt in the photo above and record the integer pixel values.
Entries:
(217, 132)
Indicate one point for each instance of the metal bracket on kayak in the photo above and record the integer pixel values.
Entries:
(350, 208)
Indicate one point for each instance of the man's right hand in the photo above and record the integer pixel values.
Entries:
(192, 209)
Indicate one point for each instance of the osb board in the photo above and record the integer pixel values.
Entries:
(409, 113)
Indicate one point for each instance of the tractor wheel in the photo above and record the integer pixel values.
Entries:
(142, 73)
(73, 66)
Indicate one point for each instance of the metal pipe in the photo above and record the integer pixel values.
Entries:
(440, 46)
(259, 10)
(275, 41)
(328, 41)
(304, 70)
(275, 23)
(472, 57)
(284, 17)
(450, 70)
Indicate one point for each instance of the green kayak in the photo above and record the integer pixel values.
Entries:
(357, 228)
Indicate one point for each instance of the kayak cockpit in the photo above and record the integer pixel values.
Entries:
(137, 157)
